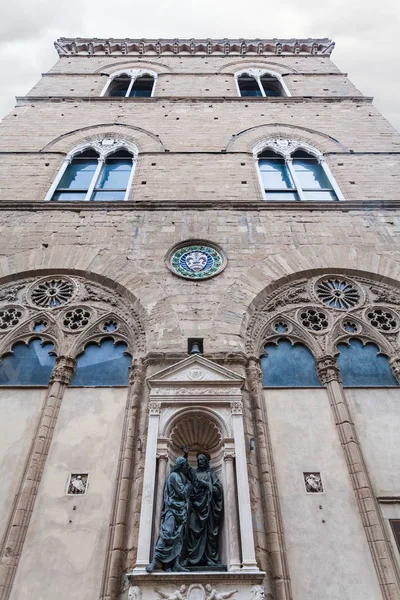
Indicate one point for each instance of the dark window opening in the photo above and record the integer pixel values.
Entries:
(248, 86)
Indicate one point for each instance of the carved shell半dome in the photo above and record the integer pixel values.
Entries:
(197, 433)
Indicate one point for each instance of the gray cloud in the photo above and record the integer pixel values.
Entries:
(365, 34)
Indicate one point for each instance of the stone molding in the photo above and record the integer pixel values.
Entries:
(220, 47)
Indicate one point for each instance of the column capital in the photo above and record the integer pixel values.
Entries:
(162, 456)
(327, 369)
(229, 456)
(237, 408)
(63, 370)
(154, 408)
(395, 366)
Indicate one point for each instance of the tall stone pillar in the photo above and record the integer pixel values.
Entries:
(162, 461)
(245, 520)
(149, 479)
(232, 512)
(280, 570)
(117, 537)
(329, 375)
(26, 495)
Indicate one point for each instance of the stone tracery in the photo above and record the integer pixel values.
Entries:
(321, 312)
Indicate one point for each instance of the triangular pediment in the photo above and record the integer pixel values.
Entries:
(195, 370)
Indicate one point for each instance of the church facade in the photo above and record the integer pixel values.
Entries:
(199, 327)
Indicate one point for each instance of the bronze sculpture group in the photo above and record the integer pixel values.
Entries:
(190, 518)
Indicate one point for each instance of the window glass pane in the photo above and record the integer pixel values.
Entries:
(326, 195)
(271, 86)
(142, 87)
(108, 195)
(28, 365)
(286, 365)
(281, 196)
(102, 365)
(69, 195)
(275, 174)
(311, 175)
(78, 175)
(115, 174)
(120, 87)
(248, 86)
(363, 365)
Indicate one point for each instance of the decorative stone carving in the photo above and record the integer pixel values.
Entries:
(383, 319)
(77, 483)
(52, 293)
(197, 433)
(9, 317)
(237, 408)
(196, 374)
(213, 594)
(154, 408)
(198, 391)
(313, 319)
(135, 593)
(257, 593)
(76, 319)
(340, 294)
(180, 594)
(98, 294)
(63, 370)
(10, 293)
(196, 259)
(313, 483)
(327, 369)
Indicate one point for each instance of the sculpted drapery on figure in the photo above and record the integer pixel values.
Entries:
(204, 517)
(190, 518)
(173, 520)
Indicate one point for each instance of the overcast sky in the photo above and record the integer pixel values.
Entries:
(366, 33)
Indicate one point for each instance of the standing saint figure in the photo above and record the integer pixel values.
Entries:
(173, 520)
(205, 511)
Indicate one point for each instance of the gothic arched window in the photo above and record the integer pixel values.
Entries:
(132, 83)
(28, 364)
(104, 364)
(97, 172)
(288, 365)
(295, 174)
(363, 365)
(261, 83)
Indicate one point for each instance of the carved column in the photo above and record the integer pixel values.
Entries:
(149, 479)
(270, 498)
(116, 545)
(232, 512)
(245, 520)
(395, 365)
(26, 495)
(162, 461)
(329, 375)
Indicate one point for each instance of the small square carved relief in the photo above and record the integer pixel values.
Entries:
(77, 484)
(313, 483)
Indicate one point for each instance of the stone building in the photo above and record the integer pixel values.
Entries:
(199, 247)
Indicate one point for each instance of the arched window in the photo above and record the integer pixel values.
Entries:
(95, 173)
(363, 365)
(30, 364)
(258, 82)
(295, 175)
(288, 365)
(102, 365)
(133, 83)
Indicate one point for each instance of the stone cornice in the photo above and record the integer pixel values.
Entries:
(148, 205)
(187, 47)
(21, 100)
